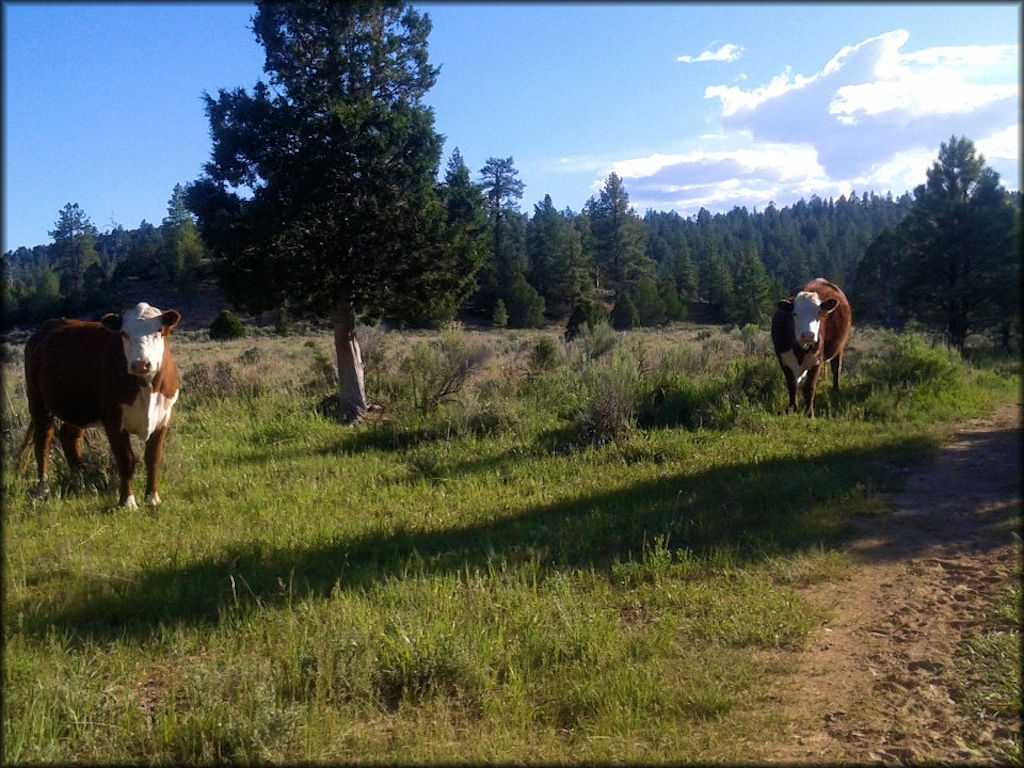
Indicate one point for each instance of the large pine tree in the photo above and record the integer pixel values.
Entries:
(960, 262)
(320, 192)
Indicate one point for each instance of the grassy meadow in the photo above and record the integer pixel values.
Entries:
(531, 551)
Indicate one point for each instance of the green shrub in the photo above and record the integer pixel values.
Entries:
(683, 401)
(624, 314)
(585, 314)
(226, 326)
(323, 370)
(283, 323)
(611, 391)
(595, 342)
(436, 371)
(906, 360)
(545, 354)
(500, 317)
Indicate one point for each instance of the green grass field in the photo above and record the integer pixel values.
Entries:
(534, 552)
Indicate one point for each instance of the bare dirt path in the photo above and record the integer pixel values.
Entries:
(878, 683)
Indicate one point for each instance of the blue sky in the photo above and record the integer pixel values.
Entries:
(712, 105)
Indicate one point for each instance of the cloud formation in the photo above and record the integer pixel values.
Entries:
(726, 53)
(872, 119)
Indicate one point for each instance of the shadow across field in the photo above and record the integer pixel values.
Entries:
(749, 509)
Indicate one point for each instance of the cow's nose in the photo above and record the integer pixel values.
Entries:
(141, 366)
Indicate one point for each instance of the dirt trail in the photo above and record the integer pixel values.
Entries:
(876, 683)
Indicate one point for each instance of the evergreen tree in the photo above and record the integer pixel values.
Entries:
(752, 290)
(618, 236)
(525, 305)
(719, 285)
(555, 251)
(674, 308)
(500, 317)
(464, 205)
(873, 297)
(182, 244)
(624, 316)
(961, 249)
(74, 245)
(503, 192)
(650, 307)
(340, 154)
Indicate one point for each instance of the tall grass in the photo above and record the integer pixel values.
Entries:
(587, 550)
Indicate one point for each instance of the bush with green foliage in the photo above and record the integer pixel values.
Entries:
(226, 326)
(624, 315)
(585, 314)
(611, 388)
(283, 323)
(500, 317)
(650, 306)
(437, 371)
(545, 354)
(906, 360)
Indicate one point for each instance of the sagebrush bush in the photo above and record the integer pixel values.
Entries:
(684, 401)
(611, 386)
(205, 382)
(323, 370)
(545, 354)
(592, 342)
(438, 370)
(906, 360)
(753, 381)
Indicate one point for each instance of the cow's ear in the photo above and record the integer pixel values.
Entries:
(170, 319)
(828, 305)
(111, 321)
(786, 305)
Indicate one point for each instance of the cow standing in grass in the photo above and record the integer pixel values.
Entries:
(809, 329)
(117, 373)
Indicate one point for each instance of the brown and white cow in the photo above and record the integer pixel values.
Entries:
(117, 373)
(809, 329)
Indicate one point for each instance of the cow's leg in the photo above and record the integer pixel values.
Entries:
(154, 452)
(42, 436)
(121, 447)
(810, 386)
(71, 442)
(837, 367)
(790, 386)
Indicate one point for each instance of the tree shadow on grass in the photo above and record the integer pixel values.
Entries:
(750, 509)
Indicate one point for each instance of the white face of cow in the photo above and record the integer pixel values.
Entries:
(808, 314)
(143, 330)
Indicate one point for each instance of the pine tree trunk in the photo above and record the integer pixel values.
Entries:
(351, 393)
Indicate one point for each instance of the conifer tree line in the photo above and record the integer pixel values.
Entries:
(84, 272)
(605, 262)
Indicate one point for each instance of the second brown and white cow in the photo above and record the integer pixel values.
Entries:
(118, 373)
(809, 329)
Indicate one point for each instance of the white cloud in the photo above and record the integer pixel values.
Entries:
(726, 53)
(871, 119)
(1003, 145)
(872, 100)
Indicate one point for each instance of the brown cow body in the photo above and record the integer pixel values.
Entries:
(811, 328)
(80, 373)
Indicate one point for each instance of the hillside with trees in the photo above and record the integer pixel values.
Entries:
(725, 267)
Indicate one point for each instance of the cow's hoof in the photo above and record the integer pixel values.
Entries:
(40, 493)
(130, 502)
(152, 499)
